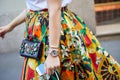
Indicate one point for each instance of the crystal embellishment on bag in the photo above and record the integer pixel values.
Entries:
(30, 49)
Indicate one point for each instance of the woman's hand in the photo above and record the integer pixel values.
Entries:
(4, 30)
(51, 64)
(15, 22)
(54, 8)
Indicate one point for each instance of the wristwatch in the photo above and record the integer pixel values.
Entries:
(53, 52)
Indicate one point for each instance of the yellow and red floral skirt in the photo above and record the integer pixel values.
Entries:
(81, 55)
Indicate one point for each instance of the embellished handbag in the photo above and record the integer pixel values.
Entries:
(31, 49)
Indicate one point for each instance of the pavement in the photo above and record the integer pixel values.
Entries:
(11, 63)
(10, 66)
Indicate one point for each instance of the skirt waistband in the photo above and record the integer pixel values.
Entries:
(62, 9)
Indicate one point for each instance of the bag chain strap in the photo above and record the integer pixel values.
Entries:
(30, 37)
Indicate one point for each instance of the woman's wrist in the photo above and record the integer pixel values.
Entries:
(10, 27)
(53, 52)
(53, 47)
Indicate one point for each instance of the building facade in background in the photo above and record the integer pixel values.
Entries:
(107, 11)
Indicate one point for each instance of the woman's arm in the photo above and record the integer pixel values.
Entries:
(15, 22)
(54, 7)
(19, 19)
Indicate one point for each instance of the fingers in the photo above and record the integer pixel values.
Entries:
(3, 36)
(2, 32)
(52, 69)
(49, 69)
(51, 64)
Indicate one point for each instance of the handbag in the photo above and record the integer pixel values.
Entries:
(31, 49)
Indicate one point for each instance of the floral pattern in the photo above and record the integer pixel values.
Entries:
(81, 56)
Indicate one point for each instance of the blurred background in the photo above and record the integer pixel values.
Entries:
(101, 16)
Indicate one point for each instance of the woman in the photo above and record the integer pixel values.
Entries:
(73, 51)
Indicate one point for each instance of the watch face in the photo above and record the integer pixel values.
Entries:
(54, 53)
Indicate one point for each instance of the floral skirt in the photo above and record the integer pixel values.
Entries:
(81, 55)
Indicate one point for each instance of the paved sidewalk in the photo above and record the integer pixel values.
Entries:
(10, 64)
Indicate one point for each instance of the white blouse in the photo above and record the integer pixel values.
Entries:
(42, 4)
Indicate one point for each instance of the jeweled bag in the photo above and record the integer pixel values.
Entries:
(31, 49)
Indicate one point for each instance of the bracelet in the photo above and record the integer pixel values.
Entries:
(53, 47)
